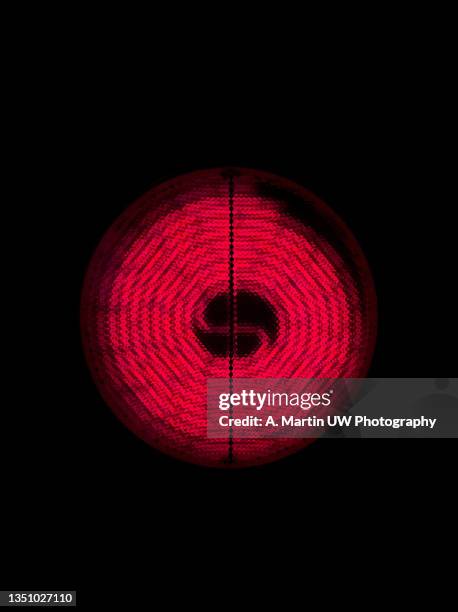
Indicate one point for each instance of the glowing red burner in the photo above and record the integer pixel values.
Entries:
(222, 273)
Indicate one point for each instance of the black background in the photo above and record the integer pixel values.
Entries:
(81, 487)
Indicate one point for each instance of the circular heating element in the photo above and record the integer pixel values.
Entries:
(222, 273)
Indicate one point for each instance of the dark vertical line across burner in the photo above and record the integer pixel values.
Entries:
(232, 308)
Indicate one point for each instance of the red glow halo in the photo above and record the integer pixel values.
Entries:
(173, 252)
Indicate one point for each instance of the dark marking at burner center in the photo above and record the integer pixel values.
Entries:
(253, 313)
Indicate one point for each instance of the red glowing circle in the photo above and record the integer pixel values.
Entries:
(222, 273)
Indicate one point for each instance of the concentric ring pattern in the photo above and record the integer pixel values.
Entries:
(218, 273)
